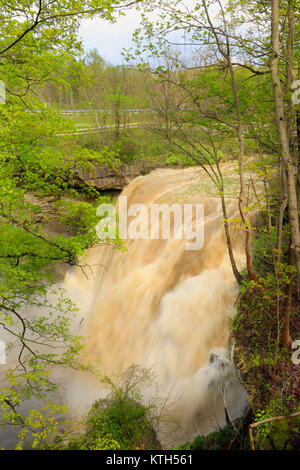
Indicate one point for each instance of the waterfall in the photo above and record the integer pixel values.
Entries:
(161, 306)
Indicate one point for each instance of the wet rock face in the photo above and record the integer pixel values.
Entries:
(105, 178)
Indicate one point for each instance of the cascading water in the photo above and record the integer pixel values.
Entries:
(162, 306)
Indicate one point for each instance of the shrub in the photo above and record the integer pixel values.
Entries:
(119, 421)
(234, 438)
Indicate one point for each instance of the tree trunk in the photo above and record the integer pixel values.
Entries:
(298, 159)
(242, 204)
(282, 129)
(226, 54)
(286, 337)
(236, 272)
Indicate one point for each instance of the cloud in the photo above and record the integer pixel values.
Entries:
(109, 38)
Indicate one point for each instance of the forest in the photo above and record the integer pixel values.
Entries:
(204, 107)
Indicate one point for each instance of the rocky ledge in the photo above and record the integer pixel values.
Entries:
(105, 178)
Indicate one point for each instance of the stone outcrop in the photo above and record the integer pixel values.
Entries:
(105, 178)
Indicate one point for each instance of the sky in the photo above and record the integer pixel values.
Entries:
(109, 38)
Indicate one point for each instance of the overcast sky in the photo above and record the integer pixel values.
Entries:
(109, 38)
